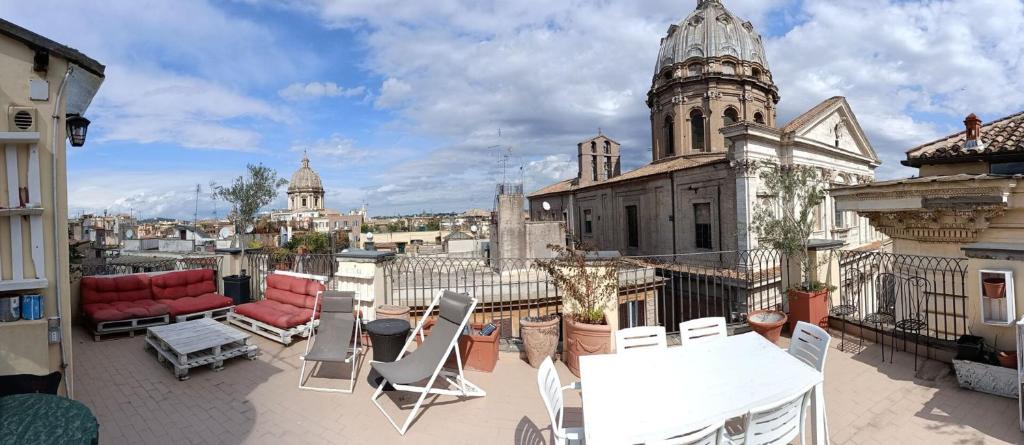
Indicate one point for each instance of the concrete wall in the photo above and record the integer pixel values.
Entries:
(508, 240)
(540, 234)
(24, 345)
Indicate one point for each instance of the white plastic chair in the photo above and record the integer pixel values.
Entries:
(810, 345)
(702, 330)
(713, 434)
(776, 423)
(640, 337)
(551, 391)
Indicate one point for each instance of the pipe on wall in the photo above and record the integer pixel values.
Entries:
(68, 386)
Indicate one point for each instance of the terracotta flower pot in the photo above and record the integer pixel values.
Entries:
(478, 352)
(994, 287)
(540, 337)
(767, 323)
(584, 339)
(809, 307)
(1007, 359)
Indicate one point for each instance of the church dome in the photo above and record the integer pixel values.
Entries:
(711, 31)
(305, 178)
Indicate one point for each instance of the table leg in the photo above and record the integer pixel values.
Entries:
(819, 432)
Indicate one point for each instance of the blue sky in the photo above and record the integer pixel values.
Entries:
(399, 103)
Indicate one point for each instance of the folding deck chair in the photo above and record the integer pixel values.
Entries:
(336, 340)
(426, 362)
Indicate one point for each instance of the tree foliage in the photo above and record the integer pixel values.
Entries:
(249, 193)
(313, 242)
(787, 221)
(586, 286)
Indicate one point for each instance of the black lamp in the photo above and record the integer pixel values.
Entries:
(78, 126)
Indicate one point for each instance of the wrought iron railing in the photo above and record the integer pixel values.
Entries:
(891, 287)
(128, 265)
(259, 264)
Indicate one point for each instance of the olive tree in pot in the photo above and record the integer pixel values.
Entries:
(247, 195)
(785, 224)
(588, 285)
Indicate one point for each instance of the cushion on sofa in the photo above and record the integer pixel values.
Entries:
(123, 310)
(280, 315)
(110, 289)
(294, 291)
(188, 305)
(183, 283)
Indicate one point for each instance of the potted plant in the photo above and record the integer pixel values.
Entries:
(786, 224)
(767, 323)
(588, 283)
(478, 352)
(247, 195)
(540, 337)
(995, 287)
(280, 258)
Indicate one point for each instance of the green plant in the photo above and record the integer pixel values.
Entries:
(280, 255)
(313, 242)
(787, 221)
(254, 244)
(248, 194)
(586, 286)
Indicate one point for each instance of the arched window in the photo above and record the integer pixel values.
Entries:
(694, 70)
(697, 130)
(729, 68)
(670, 136)
(754, 72)
(593, 147)
(607, 147)
(303, 202)
(730, 116)
(759, 118)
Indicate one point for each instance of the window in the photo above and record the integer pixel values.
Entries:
(840, 218)
(588, 222)
(730, 116)
(607, 147)
(697, 130)
(632, 227)
(593, 147)
(593, 167)
(303, 202)
(694, 70)
(755, 73)
(1007, 168)
(729, 68)
(759, 118)
(670, 136)
(702, 222)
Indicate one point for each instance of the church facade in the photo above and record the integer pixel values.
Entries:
(307, 211)
(713, 127)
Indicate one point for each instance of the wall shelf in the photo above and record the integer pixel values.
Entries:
(21, 211)
(997, 310)
(13, 324)
(19, 137)
(23, 284)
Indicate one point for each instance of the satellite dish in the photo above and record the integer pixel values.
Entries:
(473, 228)
(546, 205)
(130, 234)
(249, 228)
(369, 236)
(224, 233)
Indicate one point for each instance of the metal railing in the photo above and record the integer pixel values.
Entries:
(260, 263)
(130, 265)
(899, 287)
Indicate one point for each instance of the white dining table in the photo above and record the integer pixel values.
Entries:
(650, 393)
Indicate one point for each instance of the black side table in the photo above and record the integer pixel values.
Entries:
(388, 336)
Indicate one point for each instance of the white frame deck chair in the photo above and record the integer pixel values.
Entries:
(426, 362)
(702, 329)
(551, 392)
(336, 340)
(639, 338)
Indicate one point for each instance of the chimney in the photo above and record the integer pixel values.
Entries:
(974, 142)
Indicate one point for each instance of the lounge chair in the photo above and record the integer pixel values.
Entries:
(336, 340)
(426, 362)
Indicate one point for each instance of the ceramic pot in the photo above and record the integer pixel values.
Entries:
(994, 287)
(540, 338)
(808, 307)
(1007, 359)
(584, 339)
(767, 323)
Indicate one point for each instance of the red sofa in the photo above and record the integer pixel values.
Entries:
(126, 303)
(285, 310)
(188, 292)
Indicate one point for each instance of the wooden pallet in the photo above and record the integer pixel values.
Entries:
(198, 343)
(127, 326)
(283, 336)
(216, 314)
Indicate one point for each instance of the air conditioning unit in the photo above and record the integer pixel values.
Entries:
(22, 119)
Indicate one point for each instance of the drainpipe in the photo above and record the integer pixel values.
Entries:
(68, 386)
(672, 216)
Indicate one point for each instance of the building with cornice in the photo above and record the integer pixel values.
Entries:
(713, 126)
(307, 211)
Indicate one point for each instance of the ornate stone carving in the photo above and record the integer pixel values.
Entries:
(937, 225)
(745, 167)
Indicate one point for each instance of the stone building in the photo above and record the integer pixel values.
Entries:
(713, 109)
(305, 191)
(966, 202)
(307, 209)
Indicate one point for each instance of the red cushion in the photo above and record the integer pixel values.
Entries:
(294, 291)
(114, 288)
(189, 305)
(123, 310)
(183, 284)
(284, 316)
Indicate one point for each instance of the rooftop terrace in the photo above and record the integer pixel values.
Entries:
(137, 400)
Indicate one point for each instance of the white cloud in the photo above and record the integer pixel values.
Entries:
(315, 90)
(149, 193)
(336, 150)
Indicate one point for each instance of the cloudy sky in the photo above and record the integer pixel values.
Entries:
(411, 105)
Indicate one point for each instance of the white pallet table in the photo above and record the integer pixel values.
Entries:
(202, 342)
(215, 314)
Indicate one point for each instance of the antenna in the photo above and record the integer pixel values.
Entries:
(195, 218)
